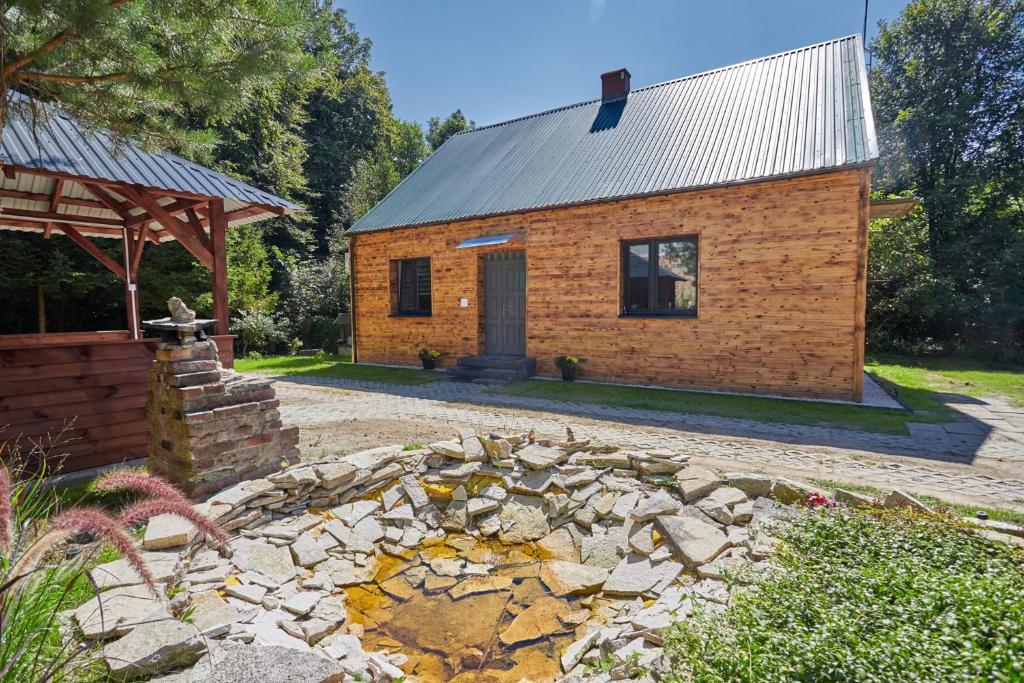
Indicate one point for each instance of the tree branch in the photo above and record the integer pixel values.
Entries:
(49, 46)
(23, 76)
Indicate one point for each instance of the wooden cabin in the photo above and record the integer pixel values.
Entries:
(82, 395)
(708, 232)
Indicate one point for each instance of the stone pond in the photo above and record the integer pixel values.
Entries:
(489, 557)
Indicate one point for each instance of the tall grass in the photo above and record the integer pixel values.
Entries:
(38, 581)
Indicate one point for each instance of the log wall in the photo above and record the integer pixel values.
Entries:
(781, 279)
(82, 392)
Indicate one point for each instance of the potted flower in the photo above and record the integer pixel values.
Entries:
(429, 358)
(568, 365)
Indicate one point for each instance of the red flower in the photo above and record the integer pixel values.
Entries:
(816, 500)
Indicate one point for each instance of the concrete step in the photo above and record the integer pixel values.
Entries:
(519, 363)
(502, 374)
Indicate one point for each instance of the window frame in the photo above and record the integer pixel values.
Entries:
(652, 285)
(416, 312)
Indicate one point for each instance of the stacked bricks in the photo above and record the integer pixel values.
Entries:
(209, 427)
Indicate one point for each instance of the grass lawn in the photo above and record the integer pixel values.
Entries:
(337, 367)
(917, 379)
(884, 420)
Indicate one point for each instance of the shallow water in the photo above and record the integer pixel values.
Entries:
(409, 609)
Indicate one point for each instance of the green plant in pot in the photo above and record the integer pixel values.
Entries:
(568, 366)
(429, 358)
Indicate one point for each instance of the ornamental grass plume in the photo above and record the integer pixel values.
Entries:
(6, 510)
(91, 520)
(145, 509)
(135, 481)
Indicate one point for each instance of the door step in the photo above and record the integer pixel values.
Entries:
(500, 368)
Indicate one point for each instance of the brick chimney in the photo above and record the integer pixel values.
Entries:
(614, 85)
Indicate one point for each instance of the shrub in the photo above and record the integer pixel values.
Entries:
(259, 331)
(890, 596)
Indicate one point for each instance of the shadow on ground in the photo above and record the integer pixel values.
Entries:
(959, 441)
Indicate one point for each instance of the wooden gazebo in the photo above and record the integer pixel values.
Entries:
(63, 181)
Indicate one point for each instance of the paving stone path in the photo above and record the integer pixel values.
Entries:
(980, 467)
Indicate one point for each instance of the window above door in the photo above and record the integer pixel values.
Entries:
(659, 277)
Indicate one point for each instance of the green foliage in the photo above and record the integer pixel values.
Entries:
(438, 131)
(867, 597)
(311, 296)
(567, 362)
(259, 332)
(314, 125)
(429, 354)
(137, 67)
(948, 93)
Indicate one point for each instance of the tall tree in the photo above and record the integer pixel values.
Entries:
(948, 91)
(134, 67)
(438, 130)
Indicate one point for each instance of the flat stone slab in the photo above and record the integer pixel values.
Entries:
(154, 647)
(236, 663)
(692, 541)
(538, 457)
(273, 562)
(570, 578)
(123, 610)
(540, 619)
(167, 531)
(120, 572)
(639, 575)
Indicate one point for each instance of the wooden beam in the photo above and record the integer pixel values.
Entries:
(197, 227)
(218, 241)
(173, 208)
(45, 198)
(37, 226)
(9, 172)
(58, 187)
(55, 216)
(179, 230)
(97, 253)
(107, 200)
(141, 235)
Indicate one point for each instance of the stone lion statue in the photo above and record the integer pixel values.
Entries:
(180, 313)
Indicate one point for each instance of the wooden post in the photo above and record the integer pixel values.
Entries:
(41, 306)
(131, 291)
(218, 235)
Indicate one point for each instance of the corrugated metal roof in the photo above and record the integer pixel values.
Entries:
(797, 112)
(60, 143)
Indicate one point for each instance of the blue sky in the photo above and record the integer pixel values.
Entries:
(499, 60)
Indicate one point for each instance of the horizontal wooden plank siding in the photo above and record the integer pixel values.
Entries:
(779, 309)
(83, 398)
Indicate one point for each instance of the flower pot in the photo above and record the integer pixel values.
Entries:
(429, 363)
(568, 374)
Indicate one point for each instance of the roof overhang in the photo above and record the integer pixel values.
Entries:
(488, 240)
(892, 208)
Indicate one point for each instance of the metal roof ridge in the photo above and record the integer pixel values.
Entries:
(671, 81)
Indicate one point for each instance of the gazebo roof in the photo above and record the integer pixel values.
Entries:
(56, 171)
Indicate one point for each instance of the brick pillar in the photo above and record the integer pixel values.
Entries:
(210, 427)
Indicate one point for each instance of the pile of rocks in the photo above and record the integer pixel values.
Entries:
(645, 537)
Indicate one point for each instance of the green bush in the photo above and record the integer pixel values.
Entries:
(863, 597)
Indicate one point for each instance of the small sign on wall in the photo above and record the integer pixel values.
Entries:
(463, 303)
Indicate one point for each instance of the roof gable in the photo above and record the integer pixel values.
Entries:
(797, 112)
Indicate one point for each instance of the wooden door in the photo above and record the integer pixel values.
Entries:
(505, 303)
